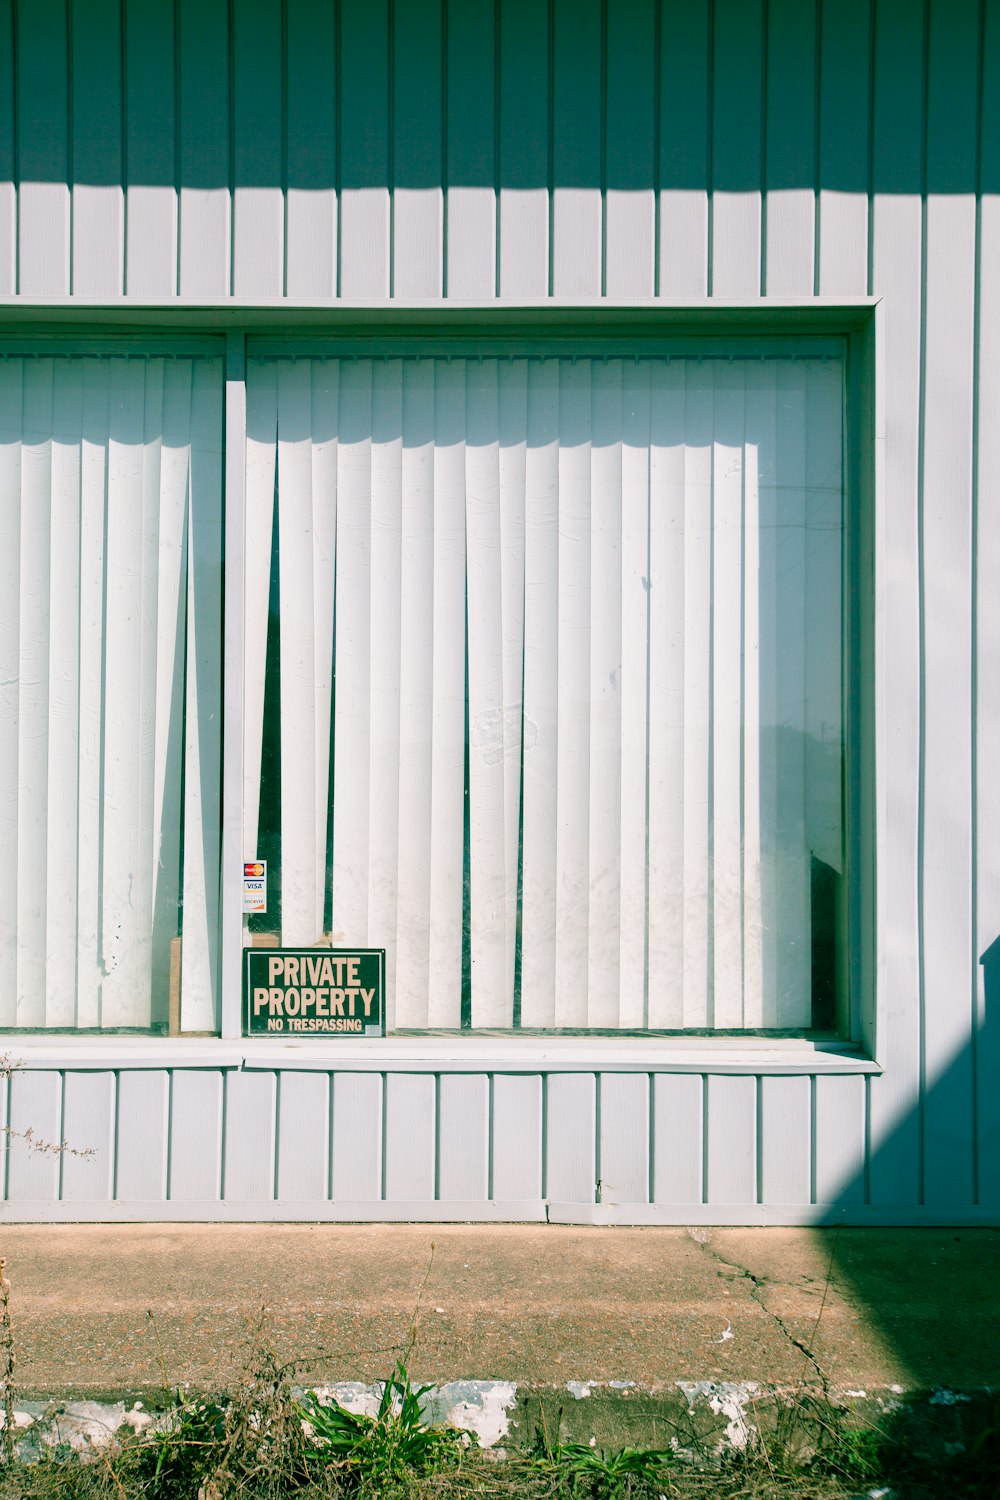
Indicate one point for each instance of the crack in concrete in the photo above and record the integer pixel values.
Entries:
(757, 1288)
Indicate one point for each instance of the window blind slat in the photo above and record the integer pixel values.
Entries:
(666, 595)
(699, 428)
(513, 400)
(301, 860)
(491, 1003)
(203, 707)
(33, 705)
(573, 696)
(793, 960)
(325, 399)
(93, 480)
(604, 732)
(11, 429)
(386, 536)
(634, 666)
(726, 864)
(122, 728)
(145, 686)
(416, 615)
(353, 652)
(261, 461)
(64, 649)
(753, 971)
(764, 415)
(541, 626)
(448, 711)
(171, 563)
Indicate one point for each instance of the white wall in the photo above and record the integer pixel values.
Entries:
(731, 150)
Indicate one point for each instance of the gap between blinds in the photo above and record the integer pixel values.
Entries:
(555, 671)
(110, 689)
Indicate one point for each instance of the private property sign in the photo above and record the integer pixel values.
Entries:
(314, 991)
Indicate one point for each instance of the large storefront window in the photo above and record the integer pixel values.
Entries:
(544, 684)
(110, 691)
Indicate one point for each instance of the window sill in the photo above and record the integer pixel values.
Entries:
(447, 1054)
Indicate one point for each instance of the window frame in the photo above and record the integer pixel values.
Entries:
(849, 329)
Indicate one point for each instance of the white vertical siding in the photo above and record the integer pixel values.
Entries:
(799, 149)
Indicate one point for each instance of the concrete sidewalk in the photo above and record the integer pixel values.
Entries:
(531, 1304)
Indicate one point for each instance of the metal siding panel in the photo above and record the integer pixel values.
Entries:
(303, 1136)
(410, 1124)
(89, 1102)
(790, 147)
(143, 1126)
(257, 47)
(418, 199)
(570, 1137)
(203, 111)
(98, 213)
(577, 228)
(196, 1110)
(517, 1137)
(311, 149)
(678, 1137)
(946, 539)
(463, 1137)
(731, 1145)
(631, 62)
(986, 550)
(839, 1140)
(364, 149)
(523, 149)
(471, 149)
(249, 1135)
(356, 1147)
(35, 1106)
(844, 126)
(737, 98)
(896, 264)
(43, 149)
(685, 86)
(150, 145)
(785, 1140)
(624, 1141)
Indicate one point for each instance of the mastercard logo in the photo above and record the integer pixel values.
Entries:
(253, 869)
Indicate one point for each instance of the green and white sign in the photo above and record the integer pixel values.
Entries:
(314, 992)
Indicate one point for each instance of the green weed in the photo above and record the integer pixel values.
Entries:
(386, 1448)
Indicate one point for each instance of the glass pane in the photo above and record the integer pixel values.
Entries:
(544, 685)
(110, 635)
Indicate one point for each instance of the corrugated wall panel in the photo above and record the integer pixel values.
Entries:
(797, 149)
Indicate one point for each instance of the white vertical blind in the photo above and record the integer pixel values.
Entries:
(110, 635)
(583, 644)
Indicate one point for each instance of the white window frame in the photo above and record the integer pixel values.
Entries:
(689, 328)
